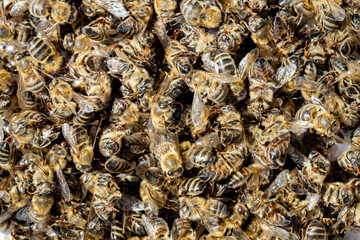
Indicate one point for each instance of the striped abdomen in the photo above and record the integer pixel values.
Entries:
(217, 208)
(315, 231)
(216, 172)
(330, 24)
(225, 63)
(201, 156)
(117, 231)
(40, 50)
(29, 100)
(4, 153)
(193, 186)
(135, 225)
(40, 8)
(83, 117)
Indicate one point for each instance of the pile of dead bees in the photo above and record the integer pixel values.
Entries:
(161, 119)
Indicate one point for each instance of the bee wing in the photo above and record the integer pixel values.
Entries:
(301, 206)
(211, 222)
(302, 83)
(223, 78)
(303, 124)
(115, 7)
(70, 137)
(338, 12)
(86, 107)
(67, 102)
(160, 31)
(23, 214)
(20, 90)
(317, 101)
(247, 62)
(13, 208)
(188, 163)
(284, 74)
(300, 159)
(130, 203)
(286, 2)
(64, 187)
(164, 86)
(280, 181)
(238, 233)
(271, 230)
(19, 8)
(198, 109)
(150, 229)
(2, 126)
(124, 57)
(5, 195)
(313, 200)
(211, 66)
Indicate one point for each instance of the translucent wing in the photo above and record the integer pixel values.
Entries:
(280, 181)
(210, 140)
(337, 11)
(86, 107)
(160, 30)
(13, 208)
(223, 78)
(153, 207)
(313, 200)
(2, 125)
(23, 214)
(189, 164)
(247, 62)
(64, 187)
(305, 84)
(67, 102)
(238, 233)
(304, 124)
(286, 2)
(114, 7)
(317, 101)
(284, 74)
(300, 159)
(150, 229)
(5, 196)
(70, 137)
(164, 86)
(199, 110)
(211, 222)
(130, 203)
(271, 230)
(211, 66)
(19, 8)
(20, 91)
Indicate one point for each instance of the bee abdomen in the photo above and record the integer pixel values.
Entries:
(83, 117)
(4, 152)
(202, 156)
(330, 23)
(118, 165)
(148, 160)
(316, 231)
(30, 100)
(226, 63)
(117, 231)
(39, 49)
(40, 8)
(216, 172)
(136, 226)
(193, 186)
